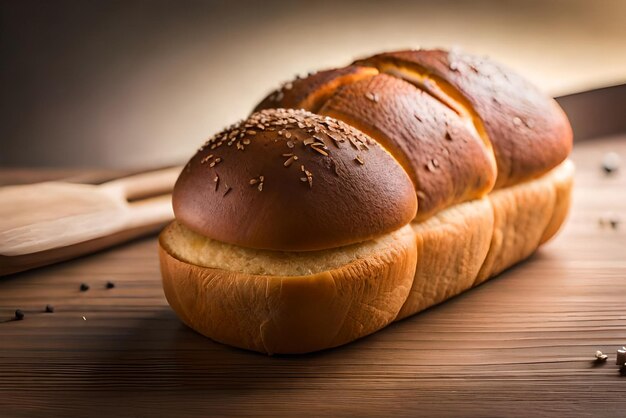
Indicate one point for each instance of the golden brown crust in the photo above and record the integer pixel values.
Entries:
(447, 161)
(292, 314)
(529, 132)
(523, 129)
(469, 243)
(294, 181)
(452, 246)
(525, 216)
(563, 183)
(311, 92)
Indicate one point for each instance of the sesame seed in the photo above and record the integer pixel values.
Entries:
(359, 160)
(228, 189)
(290, 144)
(260, 187)
(262, 178)
(517, 121)
(251, 132)
(371, 97)
(110, 285)
(335, 140)
(246, 141)
(217, 181)
(321, 151)
(253, 182)
(84, 287)
(289, 161)
(287, 134)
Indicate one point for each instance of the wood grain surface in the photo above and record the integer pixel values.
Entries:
(521, 345)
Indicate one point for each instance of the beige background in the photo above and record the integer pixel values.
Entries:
(143, 83)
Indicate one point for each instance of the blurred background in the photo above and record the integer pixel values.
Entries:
(138, 84)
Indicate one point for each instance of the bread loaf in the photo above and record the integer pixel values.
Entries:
(296, 231)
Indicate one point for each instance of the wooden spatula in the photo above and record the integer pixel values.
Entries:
(44, 223)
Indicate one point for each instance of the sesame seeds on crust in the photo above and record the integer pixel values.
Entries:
(302, 133)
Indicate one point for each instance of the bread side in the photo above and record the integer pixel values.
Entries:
(452, 246)
(193, 248)
(292, 314)
(356, 290)
(467, 244)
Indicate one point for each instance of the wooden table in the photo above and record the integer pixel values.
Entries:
(520, 345)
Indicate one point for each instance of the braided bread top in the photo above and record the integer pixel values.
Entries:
(459, 124)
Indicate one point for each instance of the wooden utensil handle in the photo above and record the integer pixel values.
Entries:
(144, 184)
(156, 210)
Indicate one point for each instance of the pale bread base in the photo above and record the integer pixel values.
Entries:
(466, 244)
(276, 302)
(292, 313)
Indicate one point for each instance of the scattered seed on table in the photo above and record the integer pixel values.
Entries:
(84, 319)
(19, 315)
(609, 219)
(610, 162)
(84, 287)
(49, 308)
(110, 285)
(600, 356)
(621, 356)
